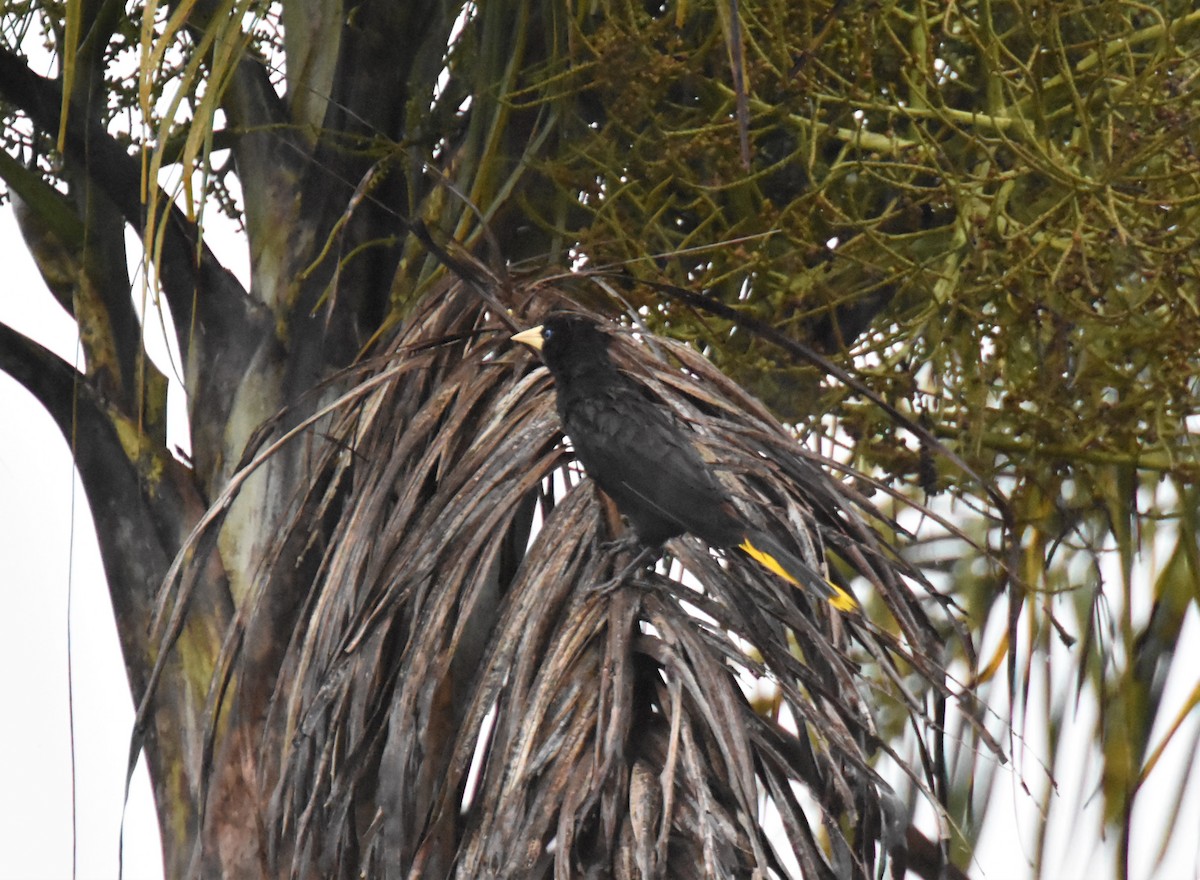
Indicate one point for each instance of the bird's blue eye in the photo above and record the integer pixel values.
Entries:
(547, 333)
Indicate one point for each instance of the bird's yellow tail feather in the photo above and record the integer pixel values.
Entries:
(837, 597)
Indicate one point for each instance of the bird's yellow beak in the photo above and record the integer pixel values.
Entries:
(531, 337)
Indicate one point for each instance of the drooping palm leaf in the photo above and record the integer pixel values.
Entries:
(446, 593)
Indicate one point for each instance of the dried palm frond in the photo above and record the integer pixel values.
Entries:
(432, 607)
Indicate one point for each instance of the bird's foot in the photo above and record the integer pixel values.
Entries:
(627, 543)
(605, 589)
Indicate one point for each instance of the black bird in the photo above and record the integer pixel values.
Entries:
(642, 457)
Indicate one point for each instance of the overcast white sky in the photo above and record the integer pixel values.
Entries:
(45, 555)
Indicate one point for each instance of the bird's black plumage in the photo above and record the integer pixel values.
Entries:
(644, 459)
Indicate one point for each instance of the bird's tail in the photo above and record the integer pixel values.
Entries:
(768, 552)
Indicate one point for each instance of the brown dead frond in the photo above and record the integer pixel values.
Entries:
(432, 607)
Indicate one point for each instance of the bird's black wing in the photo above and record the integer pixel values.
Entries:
(645, 461)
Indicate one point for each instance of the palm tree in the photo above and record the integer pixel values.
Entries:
(362, 622)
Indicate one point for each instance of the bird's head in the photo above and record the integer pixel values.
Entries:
(566, 338)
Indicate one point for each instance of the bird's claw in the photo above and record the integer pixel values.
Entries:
(608, 587)
(627, 543)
